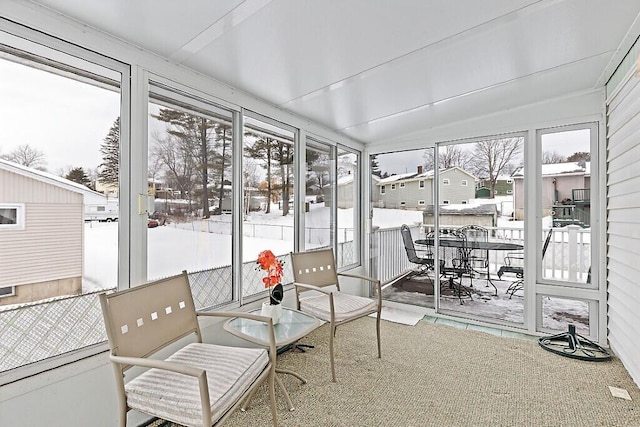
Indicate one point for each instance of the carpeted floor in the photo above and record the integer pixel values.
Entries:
(437, 375)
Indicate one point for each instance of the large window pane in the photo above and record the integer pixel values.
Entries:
(348, 171)
(268, 217)
(318, 206)
(566, 205)
(189, 189)
(59, 191)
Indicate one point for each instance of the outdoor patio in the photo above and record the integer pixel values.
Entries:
(485, 303)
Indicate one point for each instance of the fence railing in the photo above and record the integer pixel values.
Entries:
(568, 257)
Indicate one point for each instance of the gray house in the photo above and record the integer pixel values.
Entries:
(415, 190)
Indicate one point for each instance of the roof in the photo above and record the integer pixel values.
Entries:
(49, 178)
(556, 169)
(413, 176)
(460, 209)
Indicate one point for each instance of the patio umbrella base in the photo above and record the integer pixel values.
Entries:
(575, 346)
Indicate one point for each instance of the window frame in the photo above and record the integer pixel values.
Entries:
(20, 216)
(446, 181)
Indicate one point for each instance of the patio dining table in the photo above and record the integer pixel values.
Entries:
(466, 246)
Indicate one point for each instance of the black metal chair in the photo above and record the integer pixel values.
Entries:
(453, 255)
(424, 263)
(518, 270)
(478, 259)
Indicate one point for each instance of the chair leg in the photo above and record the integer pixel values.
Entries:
(378, 334)
(272, 397)
(333, 367)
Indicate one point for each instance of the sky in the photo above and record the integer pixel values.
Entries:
(563, 143)
(65, 119)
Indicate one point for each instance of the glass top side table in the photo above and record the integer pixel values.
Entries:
(292, 326)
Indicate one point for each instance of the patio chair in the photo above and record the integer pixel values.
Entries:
(424, 263)
(316, 271)
(198, 384)
(478, 259)
(510, 266)
(453, 255)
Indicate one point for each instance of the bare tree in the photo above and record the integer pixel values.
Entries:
(448, 157)
(549, 157)
(28, 156)
(494, 157)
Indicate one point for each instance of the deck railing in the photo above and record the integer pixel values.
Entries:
(567, 257)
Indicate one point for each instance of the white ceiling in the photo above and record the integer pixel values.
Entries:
(379, 69)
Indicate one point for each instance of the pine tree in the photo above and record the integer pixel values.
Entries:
(80, 176)
(110, 149)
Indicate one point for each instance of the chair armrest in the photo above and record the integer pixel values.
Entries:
(369, 279)
(191, 371)
(312, 288)
(358, 276)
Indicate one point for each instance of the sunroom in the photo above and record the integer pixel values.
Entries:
(215, 130)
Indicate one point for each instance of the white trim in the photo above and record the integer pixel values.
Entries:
(20, 216)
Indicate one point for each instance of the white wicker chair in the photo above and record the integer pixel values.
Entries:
(199, 384)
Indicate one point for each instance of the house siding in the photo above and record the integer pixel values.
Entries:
(455, 192)
(49, 248)
(623, 224)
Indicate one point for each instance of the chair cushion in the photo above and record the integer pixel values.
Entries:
(346, 306)
(176, 397)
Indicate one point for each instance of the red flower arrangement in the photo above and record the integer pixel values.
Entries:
(272, 265)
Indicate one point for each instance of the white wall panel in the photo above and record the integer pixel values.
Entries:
(623, 228)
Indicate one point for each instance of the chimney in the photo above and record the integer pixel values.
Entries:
(419, 169)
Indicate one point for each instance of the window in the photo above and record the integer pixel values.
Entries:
(382, 189)
(421, 202)
(445, 181)
(509, 191)
(464, 183)
(320, 180)
(421, 183)
(509, 181)
(464, 202)
(393, 186)
(7, 291)
(402, 185)
(402, 204)
(348, 214)
(445, 202)
(11, 216)
(75, 260)
(268, 157)
(189, 186)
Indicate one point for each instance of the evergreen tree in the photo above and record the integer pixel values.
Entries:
(110, 149)
(80, 176)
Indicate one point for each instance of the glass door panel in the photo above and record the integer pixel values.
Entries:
(480, 234)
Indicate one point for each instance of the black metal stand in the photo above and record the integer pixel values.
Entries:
(575, 346)
(288, 347)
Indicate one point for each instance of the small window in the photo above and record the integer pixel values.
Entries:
(464, 202)
(403, 204)
(101, 209)
(11, 216)
(445, 181)
(445, 202)
(421, 202)
(509, 181)
(7, 292)
(421, 183)
(393, 186)
(402, 185)
(464, 182)
(382, 189)
(509, 191)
